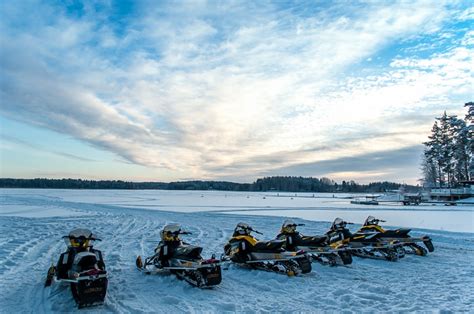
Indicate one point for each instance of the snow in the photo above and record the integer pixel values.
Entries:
(311, 206)
(33, 221)
(461, 221)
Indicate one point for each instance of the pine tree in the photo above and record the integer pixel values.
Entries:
(459, 133)
(433, 153)
(469, 119)
(428, 167)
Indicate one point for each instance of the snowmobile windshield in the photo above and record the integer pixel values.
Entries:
(85, 233)
(243, 229)
(371, 221)
(172, 228)
(338, 224)
(171, 232)
(289, 226)
(80, 238)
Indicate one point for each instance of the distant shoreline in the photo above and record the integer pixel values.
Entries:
(267, 184)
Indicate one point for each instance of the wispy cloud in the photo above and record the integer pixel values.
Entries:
(35, 147)
(201, 88)
(384, 165)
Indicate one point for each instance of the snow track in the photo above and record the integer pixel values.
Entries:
(444, 280)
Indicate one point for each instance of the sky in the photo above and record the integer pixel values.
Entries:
(228, 90)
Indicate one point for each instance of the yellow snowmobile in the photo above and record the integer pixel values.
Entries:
(182, 259)
(82, 267)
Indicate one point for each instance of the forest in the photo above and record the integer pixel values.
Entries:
(277, 183)
(448, 155)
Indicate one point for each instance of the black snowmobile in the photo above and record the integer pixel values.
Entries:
(363, 244)
(315, 246)
(182, 259)
(244, 249)
(409, 243)
(82, 267)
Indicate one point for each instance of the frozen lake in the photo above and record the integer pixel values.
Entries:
(32, 223)
(309, 206)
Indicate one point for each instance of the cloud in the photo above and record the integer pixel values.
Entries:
(201, 88)
(383, 165)
(39, 148)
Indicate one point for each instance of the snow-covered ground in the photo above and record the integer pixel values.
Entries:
(33, 221)
(310, 206)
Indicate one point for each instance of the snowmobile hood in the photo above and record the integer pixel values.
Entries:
(253, 241)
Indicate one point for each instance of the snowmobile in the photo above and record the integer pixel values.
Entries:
(315, 246)
(244, 249)
(409, 243)
(181, 259)
(363, 244)
(82, 267)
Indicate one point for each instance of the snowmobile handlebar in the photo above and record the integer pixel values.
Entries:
(185, 232)
(89, 238)
(374, 221)
(253, 230)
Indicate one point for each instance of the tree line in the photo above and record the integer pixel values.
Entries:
(277, 183)
(448, 155)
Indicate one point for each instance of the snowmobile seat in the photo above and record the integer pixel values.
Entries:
(272, 245)
(68, 259)
(188, 252)
(312, 241)
(87, 262)
(397, 233)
